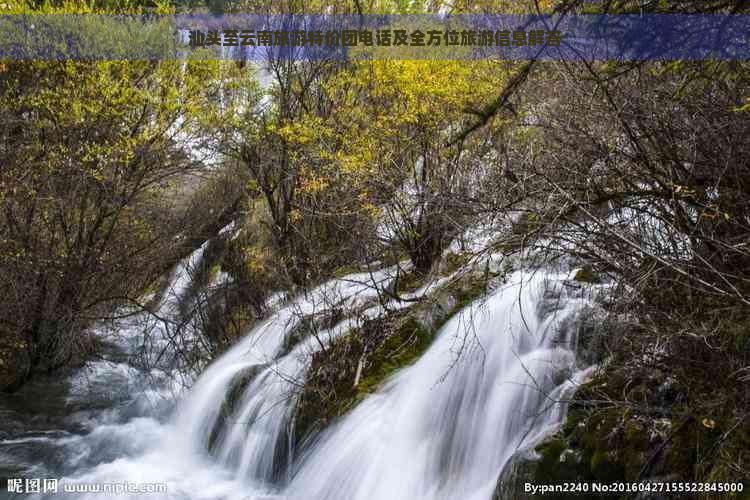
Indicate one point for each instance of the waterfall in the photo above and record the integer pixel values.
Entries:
(144, 336)
(71, 423)
(441, 428)
(444, 427)
(247, 443)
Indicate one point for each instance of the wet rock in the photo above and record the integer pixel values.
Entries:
(519, 470)
(436, 311)
(551, 301)
(231, 400)
(586, 274)
(591, 336)
(551, 462)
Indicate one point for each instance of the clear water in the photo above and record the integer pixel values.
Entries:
(440, 429)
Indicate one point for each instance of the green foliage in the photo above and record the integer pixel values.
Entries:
(90, 150)
(382, 346)
(586, 275)
(604, 441)
(393, 343)
(226, 418)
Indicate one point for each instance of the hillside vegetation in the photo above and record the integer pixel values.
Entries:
(640, 171)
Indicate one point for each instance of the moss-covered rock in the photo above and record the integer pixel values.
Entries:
(357, 364)
(452, 262)
(519, 470)
(409, 281)
(605, 440)
(586, 274)
(231, 401)
(433, 313)
(381, 346)
(591, 335)
(309, 325)
(552, 461)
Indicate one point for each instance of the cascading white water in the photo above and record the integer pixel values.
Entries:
(248, 442)
(444, 427)
(440, 429)
(101, 412)
(138, 334)
(244, 451)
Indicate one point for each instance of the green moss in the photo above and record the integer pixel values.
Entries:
(595, 443)
(587, 275)
(238, 321)
(557, 463)
(330, 391)
(673, 409)
(401, 349)
(392, 342)
(342, 271)
(549, 451)
(467, 293)
(233, 396)
(594, 438)
(475, 285)
(605, 468)
(311, 324)
(455, 261)
(635, 453)
(329, 387)
(410, 281)
(608, 442)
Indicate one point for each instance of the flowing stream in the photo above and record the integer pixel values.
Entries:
(441, 428)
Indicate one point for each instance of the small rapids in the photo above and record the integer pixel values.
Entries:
(492, 382)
